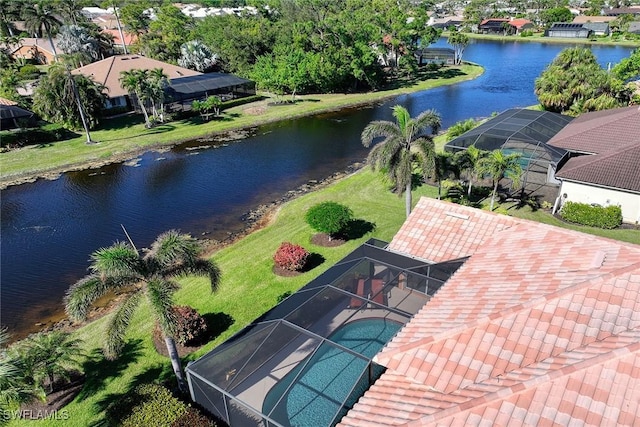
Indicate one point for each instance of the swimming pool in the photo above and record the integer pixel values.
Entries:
(323, 386)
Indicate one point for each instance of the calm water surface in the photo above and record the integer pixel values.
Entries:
(49, 228)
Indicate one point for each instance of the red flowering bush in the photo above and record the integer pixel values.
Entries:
(291, 257)
(190, 327)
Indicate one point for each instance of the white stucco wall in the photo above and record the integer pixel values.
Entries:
(583, 193)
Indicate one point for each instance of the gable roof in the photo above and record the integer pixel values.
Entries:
(520, 22)
(539, 326)
(107, 72)
(583, 19)
(42, 44)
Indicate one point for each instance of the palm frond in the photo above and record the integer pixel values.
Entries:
(118, 260)
(378, 129)
(82, 294)
(427, 154)
(425, 120)
(118, 324)
(206, 267)
(402, 173)
(403, 118)
(174, 250)
(160, 295)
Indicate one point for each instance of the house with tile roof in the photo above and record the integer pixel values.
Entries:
(539, 326)
(602, 169)
(38, 49)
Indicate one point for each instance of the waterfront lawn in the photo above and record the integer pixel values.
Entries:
(249, 288)
(124, 136)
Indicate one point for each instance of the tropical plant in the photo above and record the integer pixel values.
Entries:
(9, 14)
(135, 81)
(197, 56)
(575, 83)
(40, 19)
(404, 142)
(459, 41)
(151, 276)
(73, 100)
(499, 165)
(329, 217)
(444, 167)
(459, 128)
(205, 107)
(76, 40)
(468, 161)
(71, 10)
(290, 256)
(15, 389)
(47, 356)
(157, 84)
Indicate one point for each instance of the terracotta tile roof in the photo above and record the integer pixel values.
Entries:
(540, 326)
(616, 168)
(600, 131)
(5, 101)
(519, 22)
(107, 71)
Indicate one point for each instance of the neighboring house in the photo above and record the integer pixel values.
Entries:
(435, 55)
(38, 49)
(107, 73)
(568, 30)
(603, 167)
(493, 25)
(184, 84)
(446, 22)
(466, 318)
(12, 116)
(118, 43)
(634, 27)
(526, 132)
(583, 19)
(519, 25)
(617, 11)
(597, 28)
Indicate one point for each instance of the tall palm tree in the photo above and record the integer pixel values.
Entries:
(71, 10)
(158, 83)
(40, 19)
(151, 277)
(135, 81)
(405, 141)
(499, 165)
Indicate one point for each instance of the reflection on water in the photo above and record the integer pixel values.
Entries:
(49, 228)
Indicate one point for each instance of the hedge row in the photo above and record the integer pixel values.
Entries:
(32, 136)
(595, 216)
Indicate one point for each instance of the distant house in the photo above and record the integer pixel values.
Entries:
(597, 28)
(568, 30)
(446, 22)
(519, 25)
(493, 25)
(604, 158)
(107, 72)
(583, 19)
(634, 27)
(37, 49)
(435, 55)
(617, 11)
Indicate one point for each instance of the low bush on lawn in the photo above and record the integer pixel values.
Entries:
(291, 257)
(608, 217)
(329, 217)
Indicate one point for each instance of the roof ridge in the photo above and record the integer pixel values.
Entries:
(550, 375)
(471, 326)
(622, 111)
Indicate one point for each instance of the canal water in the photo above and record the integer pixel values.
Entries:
(49, 228)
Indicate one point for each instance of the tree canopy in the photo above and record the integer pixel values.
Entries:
(575, 83)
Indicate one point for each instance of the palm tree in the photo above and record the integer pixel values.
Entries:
(9, 13)
(40, 18)
(151, 276)
(443, 169)
(134, 81)
(468, 160)
(404, 142)
(158, 83)
(499, 165)
(14, 390)
(71, 10)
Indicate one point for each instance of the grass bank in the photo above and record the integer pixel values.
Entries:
(540, 38)
(125, 137)
(249, 287)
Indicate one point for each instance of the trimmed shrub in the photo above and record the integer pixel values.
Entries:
(191, 327)
(329, 217)
(594, 216)
(193, 418)
(291, 257)
(148, 405)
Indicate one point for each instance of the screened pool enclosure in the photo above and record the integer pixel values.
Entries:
(309, 359)
(520, 131)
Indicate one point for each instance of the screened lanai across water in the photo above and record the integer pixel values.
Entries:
(309, 359)
(520, 131)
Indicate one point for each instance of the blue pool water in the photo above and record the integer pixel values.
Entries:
(331, 377)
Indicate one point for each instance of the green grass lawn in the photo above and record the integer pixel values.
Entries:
(249, 288)
(126, 136)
